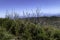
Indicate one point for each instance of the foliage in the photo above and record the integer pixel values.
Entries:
(25, 30)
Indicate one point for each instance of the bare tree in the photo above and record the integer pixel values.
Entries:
(16, 16)
(27, 14)
(38, 12)
(24, 14)
(12, 15)
(7, 14)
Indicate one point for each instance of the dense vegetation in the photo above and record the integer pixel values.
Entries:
(25, 29)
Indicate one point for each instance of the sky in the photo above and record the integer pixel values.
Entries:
(46, 6)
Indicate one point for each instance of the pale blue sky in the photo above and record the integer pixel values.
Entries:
(46, 6)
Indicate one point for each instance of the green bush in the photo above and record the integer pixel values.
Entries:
(26, 30)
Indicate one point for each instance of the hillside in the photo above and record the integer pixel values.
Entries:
(54, 21)
(40, 28)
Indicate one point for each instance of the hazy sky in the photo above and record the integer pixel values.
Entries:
(46, 6)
